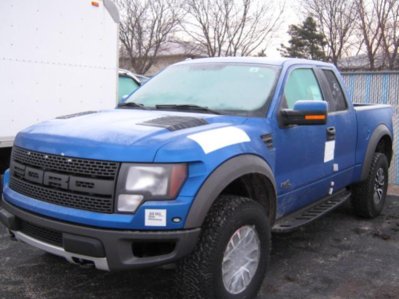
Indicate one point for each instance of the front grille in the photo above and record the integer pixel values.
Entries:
(77, 201)
(85, 167)
(42, 234)
(71, 182)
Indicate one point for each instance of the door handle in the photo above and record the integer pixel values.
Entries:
(330, 133)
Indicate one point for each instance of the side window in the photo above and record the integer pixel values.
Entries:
(126, 86)
(301, 85)
(337, 102)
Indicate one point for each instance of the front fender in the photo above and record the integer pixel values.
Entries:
(220, 178)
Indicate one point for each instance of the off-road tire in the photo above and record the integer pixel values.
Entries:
(363, 193)
(200, 274)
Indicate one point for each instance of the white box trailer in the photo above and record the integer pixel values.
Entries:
(57, 57)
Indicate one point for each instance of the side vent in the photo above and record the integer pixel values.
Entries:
(268, 140)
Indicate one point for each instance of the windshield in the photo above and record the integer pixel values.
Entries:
(218, 86)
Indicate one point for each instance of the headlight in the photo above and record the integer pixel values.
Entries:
(138, 182)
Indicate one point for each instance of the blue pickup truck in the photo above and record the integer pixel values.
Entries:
(198, 167)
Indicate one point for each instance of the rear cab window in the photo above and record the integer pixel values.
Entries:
(336, 101)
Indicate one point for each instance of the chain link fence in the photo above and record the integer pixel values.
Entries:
(378, 88)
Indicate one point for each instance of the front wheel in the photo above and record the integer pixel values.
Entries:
(368, 197)
(232, 255)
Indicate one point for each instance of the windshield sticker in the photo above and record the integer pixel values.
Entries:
(213, 140)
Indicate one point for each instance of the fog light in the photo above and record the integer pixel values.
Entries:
(129, 202)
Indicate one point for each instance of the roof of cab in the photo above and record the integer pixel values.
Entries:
(257, 60)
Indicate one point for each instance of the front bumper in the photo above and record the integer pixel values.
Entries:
(109, 250)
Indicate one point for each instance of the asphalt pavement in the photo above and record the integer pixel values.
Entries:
(337, 256)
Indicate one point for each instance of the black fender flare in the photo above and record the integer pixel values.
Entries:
(379, 132)
(219, 179)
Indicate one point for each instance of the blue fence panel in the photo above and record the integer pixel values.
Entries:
(378, 88)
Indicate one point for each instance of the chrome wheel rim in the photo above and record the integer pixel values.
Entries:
(379, 184)
(241, 259)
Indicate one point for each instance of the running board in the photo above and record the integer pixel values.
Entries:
(310, 213)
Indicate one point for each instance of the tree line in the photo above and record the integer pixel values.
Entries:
(331, 30)
(210, 27)
(335, 29)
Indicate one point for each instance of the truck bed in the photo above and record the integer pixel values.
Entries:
(369, 117)
(359, 106)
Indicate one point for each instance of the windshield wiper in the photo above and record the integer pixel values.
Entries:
(131, 105)
(186, 107)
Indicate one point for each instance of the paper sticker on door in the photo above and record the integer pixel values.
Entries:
(155, 217)
(329, 149)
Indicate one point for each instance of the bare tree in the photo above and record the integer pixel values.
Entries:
(145, 26)
(387, 12)
(337, 22)
(370, 29)
(231, 27)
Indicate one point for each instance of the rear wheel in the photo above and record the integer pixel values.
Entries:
(368, 197)
(232, 255)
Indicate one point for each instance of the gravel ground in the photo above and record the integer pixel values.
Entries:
(338, 256)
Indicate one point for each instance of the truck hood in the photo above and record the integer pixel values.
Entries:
(125, 135)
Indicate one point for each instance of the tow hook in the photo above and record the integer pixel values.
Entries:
(83, 263)
(12, 236)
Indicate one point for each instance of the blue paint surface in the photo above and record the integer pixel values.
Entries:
(297, 154)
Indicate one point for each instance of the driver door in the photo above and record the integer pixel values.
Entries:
(302, 167)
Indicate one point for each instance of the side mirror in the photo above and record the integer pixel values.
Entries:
(305, 113)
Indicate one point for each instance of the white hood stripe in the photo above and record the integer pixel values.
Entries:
(213, 140)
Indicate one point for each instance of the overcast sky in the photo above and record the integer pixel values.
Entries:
(292, 15)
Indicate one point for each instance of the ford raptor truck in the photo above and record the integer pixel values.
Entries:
(197, 168)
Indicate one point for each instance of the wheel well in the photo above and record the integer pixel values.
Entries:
(257, 187)
(384, 146)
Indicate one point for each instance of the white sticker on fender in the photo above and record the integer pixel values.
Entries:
(213, 140)
(329, 149)
(155, 217)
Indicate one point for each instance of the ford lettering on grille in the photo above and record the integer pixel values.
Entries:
(62, 181)
(72, 182)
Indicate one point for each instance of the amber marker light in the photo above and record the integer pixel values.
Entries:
(95, 3)
(315, 117)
